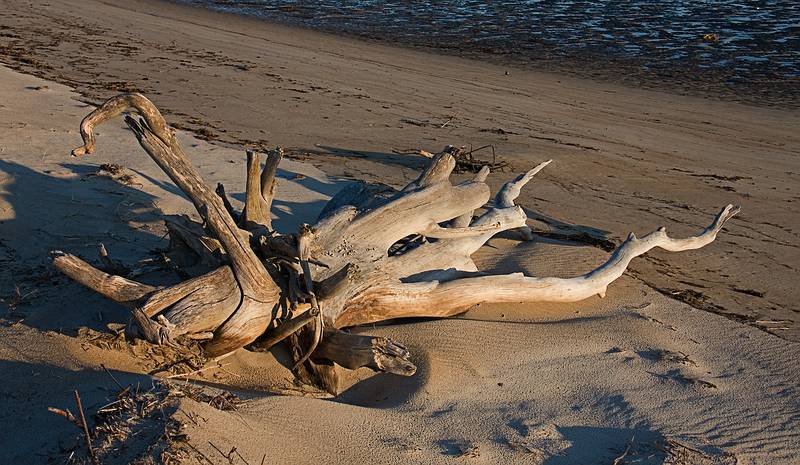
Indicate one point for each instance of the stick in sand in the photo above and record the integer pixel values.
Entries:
(85, 428)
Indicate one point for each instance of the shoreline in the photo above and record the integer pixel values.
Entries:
(678, 78)
(626, 159)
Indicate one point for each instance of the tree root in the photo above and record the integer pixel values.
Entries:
(374, 254)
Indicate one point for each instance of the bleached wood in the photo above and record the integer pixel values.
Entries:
(338, 272)
(441, 299)
(269, 180)
(464, 220)
(256, 211)
(510, 191)
(259, 294)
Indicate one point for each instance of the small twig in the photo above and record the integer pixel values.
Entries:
(196, 371)
(448, 121)
(85, 428)
(66, 414)
(240, 456)
(198, 451)
(191, 418)
(621, 458)
(222, 453)
(420, 152)
(480, 148)
(112, 377)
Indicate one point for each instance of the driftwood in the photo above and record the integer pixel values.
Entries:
(466, 162)
(374, 254)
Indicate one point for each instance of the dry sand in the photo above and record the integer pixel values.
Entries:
(544, 384)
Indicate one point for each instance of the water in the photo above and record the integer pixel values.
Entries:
(643, 42)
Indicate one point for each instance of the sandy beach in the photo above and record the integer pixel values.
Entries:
(695, 349)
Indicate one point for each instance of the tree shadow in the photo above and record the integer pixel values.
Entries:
(589, 444)
(389, 159)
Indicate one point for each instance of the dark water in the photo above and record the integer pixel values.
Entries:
(754, 56)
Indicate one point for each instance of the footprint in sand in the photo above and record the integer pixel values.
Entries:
(458, 448)
(667, 357)
(539, 440)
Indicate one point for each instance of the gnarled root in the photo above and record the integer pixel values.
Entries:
(374, 254)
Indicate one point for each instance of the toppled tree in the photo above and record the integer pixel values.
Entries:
(374, 254)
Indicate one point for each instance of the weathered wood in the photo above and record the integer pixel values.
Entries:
(354, 351)
(109, 264)
(259, 292)
(269, 181)
(510, 190)
(220, 191)
(464, 220)
(256, 211)
(198, 305)
(116, 288)
(161, 299)
(304, 237)
(442, 299)
(319, 373)
(359, 194)
(286, 329)
(183, 232)
(374, 254)
(438, 170)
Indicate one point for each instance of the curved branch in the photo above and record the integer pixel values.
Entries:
(435, 299)
(258, 291)
(510, 190)
(115, 106)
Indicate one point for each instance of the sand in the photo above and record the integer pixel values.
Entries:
(502, 384)
(626, 159)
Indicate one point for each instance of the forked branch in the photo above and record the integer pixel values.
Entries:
(442, 299)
